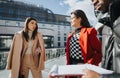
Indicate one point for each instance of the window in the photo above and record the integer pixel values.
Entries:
(21, 12)
(64, 43)
(58, 27)
(17, 23)
(36, 14)
(5, 42)
(48, 40)
(64, 34)
(64, 38)
(1, 10)
(28, 13)
(58, 38)
(58, 44)
(7, 23)
(58, 32)
(11, 11)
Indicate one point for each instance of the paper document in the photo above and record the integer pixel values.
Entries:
(76, 70)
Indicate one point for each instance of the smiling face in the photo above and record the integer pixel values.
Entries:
(75, 22)
(32, 25)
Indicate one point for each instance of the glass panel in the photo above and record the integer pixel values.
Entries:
(5, 42)
(48, 40)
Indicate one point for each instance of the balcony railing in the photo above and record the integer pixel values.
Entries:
(50, 53)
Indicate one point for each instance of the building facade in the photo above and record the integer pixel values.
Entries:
(54, 27)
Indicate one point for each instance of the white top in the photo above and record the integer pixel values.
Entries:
(30, 43)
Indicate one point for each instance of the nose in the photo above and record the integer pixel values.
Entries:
(34, 26)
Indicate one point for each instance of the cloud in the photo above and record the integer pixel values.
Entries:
(85, 5)
(61, 4)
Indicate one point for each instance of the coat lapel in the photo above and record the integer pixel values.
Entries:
(25, 46)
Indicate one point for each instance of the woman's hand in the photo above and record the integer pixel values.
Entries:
(38, 50)
(90, 74)
(52, 77)
(98, 4)
(55, 76)
(101, 5)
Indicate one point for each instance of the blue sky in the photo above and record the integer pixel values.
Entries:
(64, 7)
(57, 6)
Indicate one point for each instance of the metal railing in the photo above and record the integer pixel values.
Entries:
(50, 54)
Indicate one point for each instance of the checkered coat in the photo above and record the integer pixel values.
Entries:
(90, 46)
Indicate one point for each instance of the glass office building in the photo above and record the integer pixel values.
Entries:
(54, 27)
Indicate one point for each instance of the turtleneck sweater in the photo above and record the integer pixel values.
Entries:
(30, 43)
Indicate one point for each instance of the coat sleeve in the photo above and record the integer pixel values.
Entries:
(96, 47)
(10, 55)
(67, 52)
(43, 53)
(42, 45)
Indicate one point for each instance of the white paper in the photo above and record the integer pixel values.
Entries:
(54, 70)
(76, 69)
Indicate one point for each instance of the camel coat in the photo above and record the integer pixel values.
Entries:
(18, 49)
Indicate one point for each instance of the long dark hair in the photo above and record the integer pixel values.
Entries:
(81, 14)
(25, 30)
